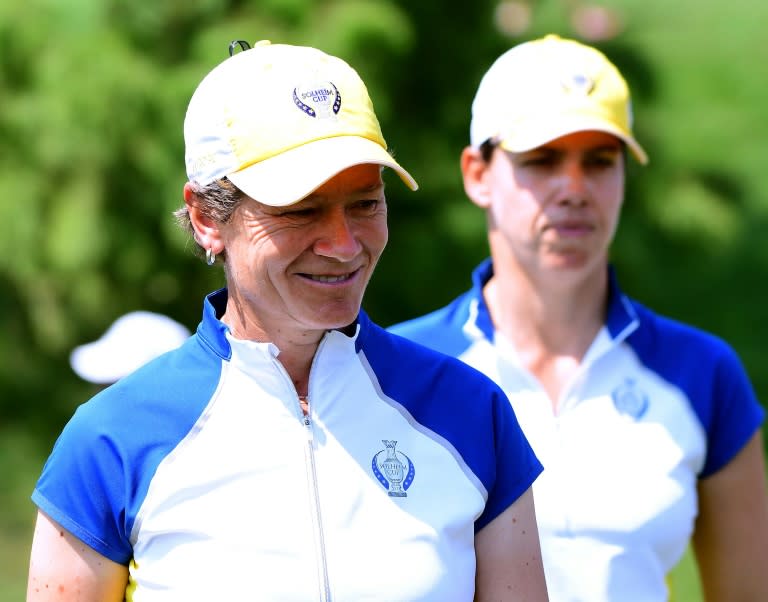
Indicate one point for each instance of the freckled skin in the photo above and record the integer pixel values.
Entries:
(86, 576)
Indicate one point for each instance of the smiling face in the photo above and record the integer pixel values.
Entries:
(554, 208)
(300, 270)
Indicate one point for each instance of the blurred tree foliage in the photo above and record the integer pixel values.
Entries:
(92, 99)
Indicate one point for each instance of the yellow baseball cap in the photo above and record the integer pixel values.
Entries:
(279, 121)
(547, 88)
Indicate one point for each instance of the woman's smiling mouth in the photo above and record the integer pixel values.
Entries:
(331, 278)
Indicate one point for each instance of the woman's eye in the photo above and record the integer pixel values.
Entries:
(538, 162)
(306, 212)
(368, 204)
(364, 206)
(601, 161)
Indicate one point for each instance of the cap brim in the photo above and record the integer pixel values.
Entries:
(292, 175)
(522, 141)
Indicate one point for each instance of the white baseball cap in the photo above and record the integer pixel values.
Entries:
(279, 121)
(548, 88)
(129, 343)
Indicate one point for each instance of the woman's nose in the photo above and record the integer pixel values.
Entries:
(574, 183)
(336, 237)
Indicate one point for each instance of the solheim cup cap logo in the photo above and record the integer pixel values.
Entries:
(548, 88)
(321, 100)
(279, 121)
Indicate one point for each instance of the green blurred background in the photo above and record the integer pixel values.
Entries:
(92, 98)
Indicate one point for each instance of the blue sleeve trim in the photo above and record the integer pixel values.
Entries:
(119, 556)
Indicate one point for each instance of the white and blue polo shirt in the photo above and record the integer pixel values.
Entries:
(655, 406)
(201, 472)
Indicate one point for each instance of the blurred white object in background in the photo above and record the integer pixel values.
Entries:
(129, 343)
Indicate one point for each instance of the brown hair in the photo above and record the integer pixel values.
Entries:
(217, 201)
(486, 149)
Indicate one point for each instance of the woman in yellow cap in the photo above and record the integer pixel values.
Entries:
(291, 449)
(648, 429)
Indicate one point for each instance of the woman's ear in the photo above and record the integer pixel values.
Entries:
(206, 229)
(474, 170)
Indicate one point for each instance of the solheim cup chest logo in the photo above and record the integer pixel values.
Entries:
(393, 469)
(630, 400)
(318, 99)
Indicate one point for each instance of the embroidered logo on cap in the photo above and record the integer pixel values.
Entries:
(395, 471)
(578, 83)
(320, 99)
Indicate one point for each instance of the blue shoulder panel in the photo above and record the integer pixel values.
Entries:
(460, 404)
(710, 374)
(98, 474)
(444, 329)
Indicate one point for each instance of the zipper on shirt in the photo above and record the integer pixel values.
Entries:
(324, 593)
(325, 588)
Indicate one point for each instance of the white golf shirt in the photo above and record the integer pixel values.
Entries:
(201, 472)
(655, 406)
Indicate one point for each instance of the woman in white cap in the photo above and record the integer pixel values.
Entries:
(291, 449)
(648, 429)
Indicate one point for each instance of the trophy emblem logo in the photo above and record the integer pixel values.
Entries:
(630, 400)
(393, 469)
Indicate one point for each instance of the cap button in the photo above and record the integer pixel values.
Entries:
(262, 43)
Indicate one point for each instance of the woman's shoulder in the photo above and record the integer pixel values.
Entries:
(668, 336)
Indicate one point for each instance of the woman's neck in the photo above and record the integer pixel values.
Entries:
(550, 321)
